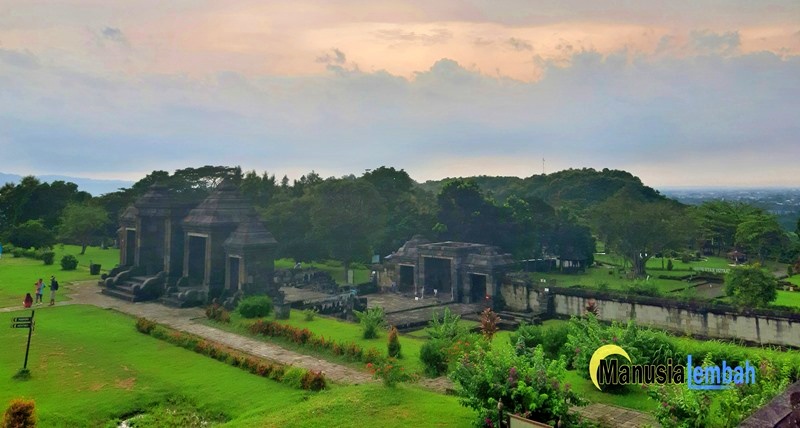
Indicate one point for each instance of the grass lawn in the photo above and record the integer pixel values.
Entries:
(90, 367)
(788, 298)
(600, 277)
(17, 275)
(340, 331)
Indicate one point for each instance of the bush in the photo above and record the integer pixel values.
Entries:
(20, 414)
(434, 358)
(371, 320)
(394, 343)
(255, 307)
(144, 325)
(69, 262)
(18, 252)
(551, 338)
(309, 314)
(528, 385)
(218, 313)
(448, 328)
(390, 372)
(670, 266)
(489, 321)
(313, 381)
(47, 257)
(294, 377)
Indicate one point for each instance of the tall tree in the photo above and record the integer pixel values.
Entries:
(638, 229)
(81, 223)
(761, 234)
(348, 217)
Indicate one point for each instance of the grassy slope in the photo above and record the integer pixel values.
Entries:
(90, 366)
(788, 298)
(334, 268)
(17, 275)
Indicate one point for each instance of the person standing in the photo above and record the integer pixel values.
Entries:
(53, 288)
(39, 290)
(28, 302)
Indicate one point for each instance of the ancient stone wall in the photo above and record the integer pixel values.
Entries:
(721, 322)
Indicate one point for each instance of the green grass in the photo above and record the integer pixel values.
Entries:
(90, 366)
(633, 398)
(17, 275)
(788, 298)
(337, 330)
(333, 267)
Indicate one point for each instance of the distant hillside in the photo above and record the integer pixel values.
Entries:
(573, 188)
(91, 185)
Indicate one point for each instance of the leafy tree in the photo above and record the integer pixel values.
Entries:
(347, 217)
(751, 286)
(466, 215)
(638, 229)
(762, 235)
(718, 220)
(81, 223)
(32, 233)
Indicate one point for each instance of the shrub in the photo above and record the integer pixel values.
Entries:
(448, 328)
(433, 357)
(371, 320)
(527, 385)
(394, 343)
(218, 313)
(69, 262)
(144, 325)
(489, 321)
(313, 381)
(20, 414)
(294, 377)
(18, 252)
(390, 372)
(551, 338)
(255, 307)
(309, 314)
(47, 257)
(670, 266)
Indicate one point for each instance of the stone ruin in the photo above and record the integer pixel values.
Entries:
(460, 272)
(186, 254)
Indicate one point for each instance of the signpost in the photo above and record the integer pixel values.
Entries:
(24, 322)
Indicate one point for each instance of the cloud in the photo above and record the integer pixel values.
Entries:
(334, 57)
(20, 59)
(706, 41)
(519, 44)
(397, 35)
(655, 115)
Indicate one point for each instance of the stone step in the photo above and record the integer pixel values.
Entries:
(119, 294)
(172, 302)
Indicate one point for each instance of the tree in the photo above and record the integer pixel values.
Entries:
(718, 220)
(32, 233)
(348, 218)
(762, 235)
(466, 215)
(751, 286)
(81, 223)
(638, 229)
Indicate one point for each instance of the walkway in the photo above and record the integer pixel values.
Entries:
(188, 320)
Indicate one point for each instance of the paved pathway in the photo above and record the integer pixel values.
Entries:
(188, 320)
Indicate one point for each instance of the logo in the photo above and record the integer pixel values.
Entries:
(604, 371)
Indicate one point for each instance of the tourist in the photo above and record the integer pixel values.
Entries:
(28, 302)
(39, 291)
(53, 288)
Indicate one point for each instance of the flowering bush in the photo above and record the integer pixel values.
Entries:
(390, 372)
(489, 321)
(393, 345)
(527, 385)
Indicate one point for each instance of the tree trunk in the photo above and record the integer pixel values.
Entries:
(83, 248)
(346, 264)
(638, 264)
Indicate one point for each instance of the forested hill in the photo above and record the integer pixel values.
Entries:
(577, 189)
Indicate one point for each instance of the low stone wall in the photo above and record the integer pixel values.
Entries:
(762, 327)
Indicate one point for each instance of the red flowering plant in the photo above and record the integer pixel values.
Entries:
(390, 372)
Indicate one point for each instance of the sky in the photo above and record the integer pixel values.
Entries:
(679, 93)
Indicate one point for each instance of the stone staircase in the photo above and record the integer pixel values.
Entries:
(173, 299)
(124, 290)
